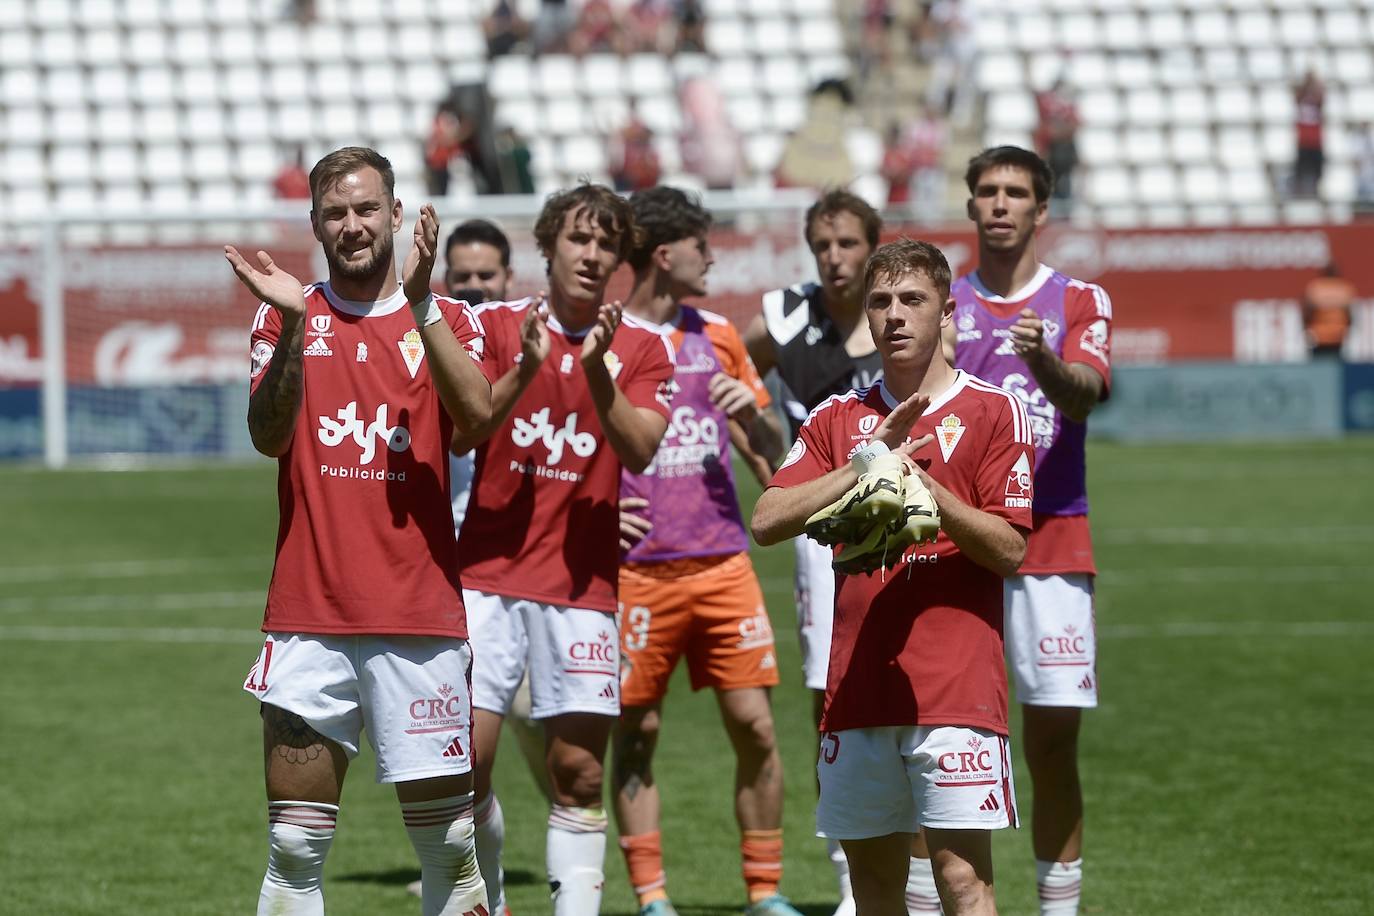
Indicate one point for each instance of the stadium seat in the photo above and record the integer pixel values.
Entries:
(1012, 109)
(1248, 185)
(72, 163)
(235, 45)
(1144, 146)
(198, 85)
(1033, 31)
(865, 149)
(557, 78)
(1233, 104)
(772, 36)
(582, 154)
(648, 74)
(65, 86)
(601, 75)
(1341, 28)
(1210, 28)
(726, 37)
(1191, 144)
(661, 113)
(564, 118)
(190, 47)
(1109, 185)
(762, 152)
(1121, 31)
(1298, 28)
(25, 127)
(783, 75)
(1166, 28)
(1254, 28)
(1157, 184)
(158, 124)
(1202, 184)
(1080, 31)
(819, 35)
(1002, 71)
(786, 113)
(737, 76)
(257, 162)
(293, 122)
(117, 164)
(1100, 106)
(1238, 146)
(1146, 107)
(69, 124)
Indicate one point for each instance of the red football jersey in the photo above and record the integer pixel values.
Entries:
(365, 542)
(544, 522)
(922, 643)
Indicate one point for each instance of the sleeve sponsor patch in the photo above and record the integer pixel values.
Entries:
(262, 355)
(794, 454)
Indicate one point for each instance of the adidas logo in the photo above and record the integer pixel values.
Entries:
(990, 803)
(318, 348)
(608, 692)
(768, 661)
(1086, 683)
(454, 749)
(479, 910)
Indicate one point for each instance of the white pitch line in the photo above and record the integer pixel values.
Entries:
(157, 601)
(206, 635)
(1203, 575)
(128, 569)
(1240, 628)
(1323, 534)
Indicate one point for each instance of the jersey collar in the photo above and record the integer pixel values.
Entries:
(1042, 276)
(960, 379)
(387, 306)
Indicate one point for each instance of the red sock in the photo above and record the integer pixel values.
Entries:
(644, 861)
(761, 855)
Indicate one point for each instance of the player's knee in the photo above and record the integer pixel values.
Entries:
(1051, 741)
(577, 780)
(960, 884)
(755, 737)
(296, 853)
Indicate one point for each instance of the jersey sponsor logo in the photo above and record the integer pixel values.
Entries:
(442, 713)
(350, 426)
(318, 347)
(966, 322)
(262, 355)
(554, 439)
(362, 352)
(593, 656)
(973, 767)
(1039, 410)
(1066, 649)
(1018, 493)
(948, 434)
(755, 632)
(1050, 329)
(1094, 339)
(794, 454)
(813, 335)
(565, 365)
(701, 364)
(412, 350)
(690, 446)
(319, 325)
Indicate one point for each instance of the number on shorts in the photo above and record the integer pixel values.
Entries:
(260, 669)
(830, 747)
(637, 629)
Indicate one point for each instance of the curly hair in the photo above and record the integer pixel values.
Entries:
(1042, 176)
(608, 209)
(665, 215)
(908, 256)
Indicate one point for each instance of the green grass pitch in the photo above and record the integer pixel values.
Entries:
(1226, 771)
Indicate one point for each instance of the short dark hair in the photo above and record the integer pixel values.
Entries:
(665, 215)
(839, 200)
(480, 231)
(1042, 176)
(330, 170)
(609, 210)
(908, 256)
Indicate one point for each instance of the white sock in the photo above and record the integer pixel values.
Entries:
(442, 833)
(298, 838)
(575, 854)
(490, 822)
(1060, 885)
(921, 895)
(841, 864)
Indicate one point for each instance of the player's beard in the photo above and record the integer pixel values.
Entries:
(380, 253)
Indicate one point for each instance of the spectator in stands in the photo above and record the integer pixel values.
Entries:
(503, 28)
(552, 27)
(1309, 95)
(925, 141)
(1056, 139)
(711, 147)
(1326, 306)
(951, 86)
(633, 160)
(513, 155)
(691, 27)
(896, 168)
(303, 11)
(875, 22)
(815, 155)
(646, 28)
(1364, 169)
(293, 181)
(445, 140)
(597, 30)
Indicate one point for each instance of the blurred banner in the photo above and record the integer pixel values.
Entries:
(162, 315)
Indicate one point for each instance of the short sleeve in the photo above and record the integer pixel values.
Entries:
(734, 359)
(810, 455)
(469, 331)
(262, 343)
(1005, 477)
(651, 384)
(1087, 339)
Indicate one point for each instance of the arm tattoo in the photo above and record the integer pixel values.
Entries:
(273, 407)
(293, 740)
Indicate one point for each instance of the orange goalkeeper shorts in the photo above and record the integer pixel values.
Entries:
(709, 609)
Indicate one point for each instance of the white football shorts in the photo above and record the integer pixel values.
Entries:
(815, 594)
(1051, 639)
(461, 470)
(572, 654)
(899, 778)
(410, 692)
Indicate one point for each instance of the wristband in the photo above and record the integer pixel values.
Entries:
(429, 308)
(868, 453)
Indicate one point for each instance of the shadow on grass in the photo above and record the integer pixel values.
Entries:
(403, 876)
(729, 909)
